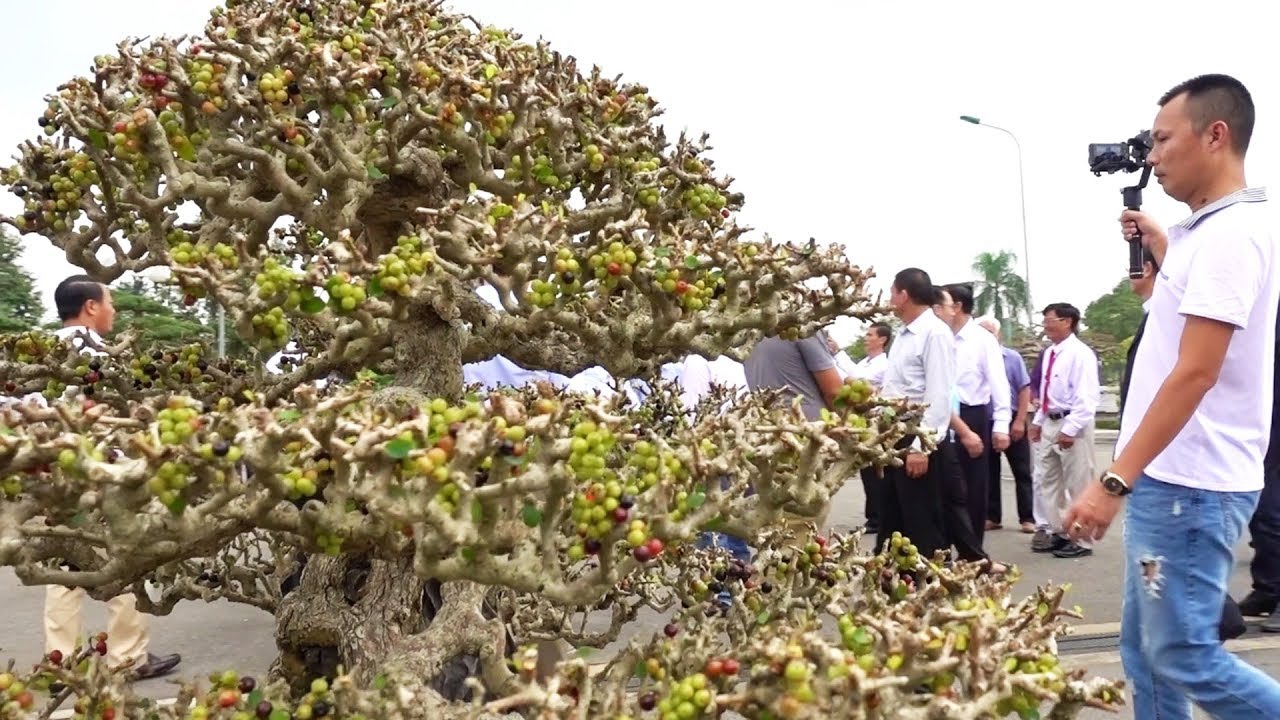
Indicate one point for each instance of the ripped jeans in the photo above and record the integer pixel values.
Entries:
(1178, 544)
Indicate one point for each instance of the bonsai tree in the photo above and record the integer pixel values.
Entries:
(341, 177)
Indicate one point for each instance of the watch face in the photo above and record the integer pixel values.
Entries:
(1113, 485)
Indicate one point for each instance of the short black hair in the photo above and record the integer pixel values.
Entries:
(1064, 310)
(883, 329)
(962, 295)
(916, 284)
(72, 293)
(1215, 97)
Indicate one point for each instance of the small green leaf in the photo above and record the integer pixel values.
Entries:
(662, 252)
(490, 71)
(380, 682)
(641, 670)
(389, 102)
(255, 697)
(98, 138)
(691, 262)
(695, 500)
(400, 448)
(187, 152)
(477, 512)
(339, 112)
(374, 172)
(288, 416)
(531, 515)
(375, 288)
(312, 305)
(584, 652)
(5, 430)
(468, 554)
(78, 519)
(763, 617)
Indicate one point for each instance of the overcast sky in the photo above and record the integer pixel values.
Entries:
(839, 120)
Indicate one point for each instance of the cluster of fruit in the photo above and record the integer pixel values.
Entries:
(704, 200)
(407, 260)
(178, 421)
(55, 203)
(207, 78)
(345, 292)
(184, 144)
(185, 252)
(28, 347)
(277, 87)
(231, 695)
(692, 281)
(1024, 701)
(542, 171)
(689, 698)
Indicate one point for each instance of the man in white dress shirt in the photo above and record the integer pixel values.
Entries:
(922, 369)
(1062, 430)
(980, 382)
(87, 313)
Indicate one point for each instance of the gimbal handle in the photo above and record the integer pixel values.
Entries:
(1133, 201)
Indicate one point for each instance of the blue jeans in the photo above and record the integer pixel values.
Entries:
(737, 547)
(1178, 544)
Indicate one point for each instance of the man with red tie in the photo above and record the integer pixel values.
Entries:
(1062, 429)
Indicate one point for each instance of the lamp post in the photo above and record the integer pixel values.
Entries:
(1022, 195)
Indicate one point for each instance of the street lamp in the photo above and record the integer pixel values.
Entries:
(1022, 194)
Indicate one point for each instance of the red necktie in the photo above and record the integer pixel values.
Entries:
(1048, 376)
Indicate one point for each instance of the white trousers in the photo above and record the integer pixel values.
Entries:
(1062, 474)
(126, 627)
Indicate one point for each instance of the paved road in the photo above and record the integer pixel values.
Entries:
(217, 636)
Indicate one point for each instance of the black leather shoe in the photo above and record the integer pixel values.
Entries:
(1272, 623)
(1231, 625)
(156, 665)
(1045, 541)
(1072, 550)
(1258, 603)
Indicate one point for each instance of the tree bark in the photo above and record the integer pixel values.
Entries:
(369, 616)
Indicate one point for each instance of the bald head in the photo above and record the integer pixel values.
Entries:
(991, 325)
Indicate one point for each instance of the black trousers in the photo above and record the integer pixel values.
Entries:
(913, 506)
(871, 484)
(1264, 534)
(976, 471)
(957, 520)
(1019, 456)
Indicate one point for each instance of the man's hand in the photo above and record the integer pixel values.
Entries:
(1065, 441)
(999, 442)
(1153, 236)
(972, 443)
(1092, 513)
(917, 464)
(1017, 430)
(1035, 433)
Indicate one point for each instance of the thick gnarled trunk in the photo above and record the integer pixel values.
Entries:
(370, 616)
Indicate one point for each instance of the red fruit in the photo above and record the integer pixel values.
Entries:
(671, 629)
(161, 102)
(642, 553)
(620, 515)
(682, 287)
(714, 668)
(655, 546)
(822, 541)
(615, 268)
(89, 404)
(55, 657)
(120, 126)
(189, 300)
(228, 698)
(25, 699)
(731, 667)
(101, 647)
(407, 531)
(109, 714)
(724, 213)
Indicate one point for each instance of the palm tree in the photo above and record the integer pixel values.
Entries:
(1000, 290)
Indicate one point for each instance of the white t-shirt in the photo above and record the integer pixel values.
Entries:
(1223, 263)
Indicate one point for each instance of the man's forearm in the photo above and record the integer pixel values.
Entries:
(1173, 405)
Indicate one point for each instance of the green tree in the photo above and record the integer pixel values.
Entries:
(1000, 290)
(858, 349)
(158, 321)
(1116, 314)
(20, 306)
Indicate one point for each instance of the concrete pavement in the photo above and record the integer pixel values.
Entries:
(218, 636)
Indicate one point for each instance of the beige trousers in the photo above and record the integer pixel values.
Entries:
(1063, 474)
(126, 627)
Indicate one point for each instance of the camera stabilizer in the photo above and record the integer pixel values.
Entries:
(1129, 156)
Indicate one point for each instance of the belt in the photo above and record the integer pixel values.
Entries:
(1057, 414)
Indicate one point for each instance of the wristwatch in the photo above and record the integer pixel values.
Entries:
(1114, 484)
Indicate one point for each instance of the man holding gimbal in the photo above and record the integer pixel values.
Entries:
(1197, 416)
